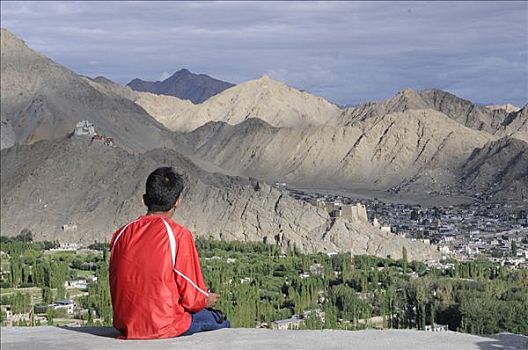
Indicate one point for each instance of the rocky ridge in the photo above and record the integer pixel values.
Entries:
(94, 189)
(516, 125)
(263, 98)
(499, 169)
(381, 150)
(463, 111)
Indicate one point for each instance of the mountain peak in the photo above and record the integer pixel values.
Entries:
(407, 92)
(183, 84)
(267, 80)
(7, 35)
(10, 41)
(184, 72)
(264, 77)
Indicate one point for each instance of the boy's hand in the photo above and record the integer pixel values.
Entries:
(212, 299)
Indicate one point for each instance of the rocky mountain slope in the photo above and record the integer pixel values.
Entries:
(380, 150)
(413, 151)
(428, 141)
(498, 169)
(516, 125)
(463, 111)
(7, 135)
(281, 106)
(93, 189)
(41, 99)
(263, 98)
(183, 84)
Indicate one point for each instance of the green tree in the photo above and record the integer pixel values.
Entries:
(47, 295)
(514, 248)
(404, 259)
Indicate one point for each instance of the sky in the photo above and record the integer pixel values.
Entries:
(347, 52)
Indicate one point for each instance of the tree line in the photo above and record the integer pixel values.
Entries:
(260, 283)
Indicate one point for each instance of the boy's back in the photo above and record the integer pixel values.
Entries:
(145, 295)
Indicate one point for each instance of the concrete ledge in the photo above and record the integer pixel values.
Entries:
(52, 338)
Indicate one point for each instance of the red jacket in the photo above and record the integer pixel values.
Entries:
(155, 278)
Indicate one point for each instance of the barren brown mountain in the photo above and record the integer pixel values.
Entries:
(41, 99)
(263, 98)
(463, 111)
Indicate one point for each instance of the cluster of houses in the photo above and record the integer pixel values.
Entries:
(297, 321)
(464, 231)
(66, 247)
(32, 318)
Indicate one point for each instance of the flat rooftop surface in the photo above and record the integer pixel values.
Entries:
(44, 338)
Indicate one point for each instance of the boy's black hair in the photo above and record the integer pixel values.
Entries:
(164, 187)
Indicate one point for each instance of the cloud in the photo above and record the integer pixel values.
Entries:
(348, 52)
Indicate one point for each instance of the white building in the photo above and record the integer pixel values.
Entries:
(67, 304)
(84, 128)
(290, 323)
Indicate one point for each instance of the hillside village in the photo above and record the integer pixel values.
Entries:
(497, 230)
(494, 229)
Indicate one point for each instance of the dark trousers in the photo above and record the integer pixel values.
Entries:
(203, 321)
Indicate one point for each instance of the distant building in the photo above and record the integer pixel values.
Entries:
(69, 227)
(245, 280)
(436, 328)
(290, 323)
(84, 128)
(357, 212)
(81, 284)
(385, 228)
(319, 314)
(107, 141)
(67, 304)
(66, 247)
(319, 203)
(444, 249)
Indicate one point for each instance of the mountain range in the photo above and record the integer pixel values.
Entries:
(231, 146)
(414, 142)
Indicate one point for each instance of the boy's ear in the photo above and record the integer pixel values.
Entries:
(178, 202)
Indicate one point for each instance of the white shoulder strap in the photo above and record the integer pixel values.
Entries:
(120, 233)
(172, 241)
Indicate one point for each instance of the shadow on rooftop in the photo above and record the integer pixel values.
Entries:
(106, 332)
(506, 341)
